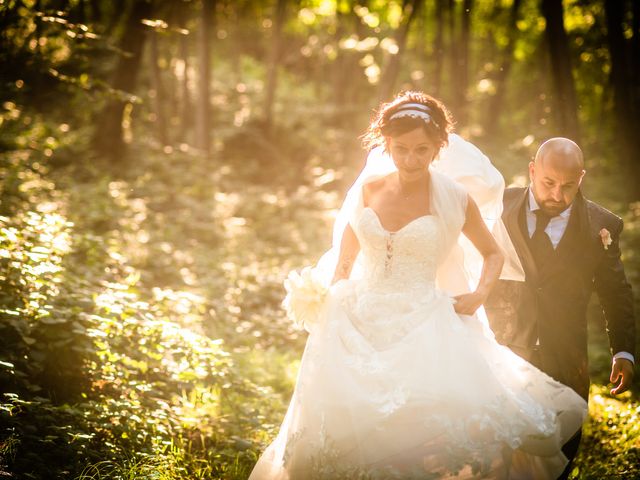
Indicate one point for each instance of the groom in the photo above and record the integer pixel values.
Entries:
(568, 246)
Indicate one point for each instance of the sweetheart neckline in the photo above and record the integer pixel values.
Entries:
(375, 214)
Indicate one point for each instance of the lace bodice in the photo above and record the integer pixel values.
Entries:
(402, 260)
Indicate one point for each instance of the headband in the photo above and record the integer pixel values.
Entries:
(414, 110)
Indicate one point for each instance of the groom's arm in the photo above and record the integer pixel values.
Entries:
(616, 297)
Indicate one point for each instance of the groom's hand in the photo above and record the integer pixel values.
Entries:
(621, 368)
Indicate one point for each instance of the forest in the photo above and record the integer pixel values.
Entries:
(165, 164)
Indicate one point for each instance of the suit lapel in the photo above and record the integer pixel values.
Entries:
(510, 219)
(592, 224)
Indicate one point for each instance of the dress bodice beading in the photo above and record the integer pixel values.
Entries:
(403, 260)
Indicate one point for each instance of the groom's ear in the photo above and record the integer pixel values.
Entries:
(532, 167)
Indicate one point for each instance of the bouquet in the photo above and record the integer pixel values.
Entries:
(305, 297)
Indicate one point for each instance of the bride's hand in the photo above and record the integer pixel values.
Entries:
(468, 303)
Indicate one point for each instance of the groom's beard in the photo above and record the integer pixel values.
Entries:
(553, 209)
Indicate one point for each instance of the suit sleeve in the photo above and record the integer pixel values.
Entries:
(616, 296)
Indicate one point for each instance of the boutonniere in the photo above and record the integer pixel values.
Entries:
(605, 236)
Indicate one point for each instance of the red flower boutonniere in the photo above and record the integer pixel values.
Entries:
(605, 236)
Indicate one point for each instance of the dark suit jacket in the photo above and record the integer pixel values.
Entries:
(552, 303)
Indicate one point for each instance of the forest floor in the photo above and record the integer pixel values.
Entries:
(143, 335)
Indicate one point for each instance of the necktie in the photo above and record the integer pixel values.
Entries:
(541, 246)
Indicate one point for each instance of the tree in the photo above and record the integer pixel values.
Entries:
(635, 51)
(460, 63)
(621, 77)
(186, 119)
(438, 48)
(497, 100)
(561, 71)
(410, 9)
(108, 137)
(274, 60)
(159, 100)
(204, 67)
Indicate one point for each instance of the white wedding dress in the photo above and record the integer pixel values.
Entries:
(394, 383)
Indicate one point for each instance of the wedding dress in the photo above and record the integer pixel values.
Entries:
(393, 383)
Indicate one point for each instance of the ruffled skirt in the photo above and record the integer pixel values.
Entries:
(394, 387)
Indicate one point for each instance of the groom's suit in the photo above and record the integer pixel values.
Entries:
(543, 319)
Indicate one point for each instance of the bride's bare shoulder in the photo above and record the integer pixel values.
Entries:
(373, 188)
(375, 185)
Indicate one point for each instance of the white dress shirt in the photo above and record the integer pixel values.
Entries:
(555, 230)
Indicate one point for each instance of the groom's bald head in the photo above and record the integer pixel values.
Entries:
(556, 174)
(561, 153)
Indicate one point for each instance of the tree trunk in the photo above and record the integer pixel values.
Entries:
(274, 60)
(186, 117)
(348, 76)
(620, 68)
(37, 32)
(490, 49)
(78, 13)
(354, 72)
(621, 78)
(387, 83)
(451, 51)
(461, 63)
(420, 46)
(497, 100)
(340, 70)
(112, 23)
(635, 58)
(160, 120)
(96, 11)
(635, 49)
(108, 136)
(558, 47)
(204, 85)
(438, 49)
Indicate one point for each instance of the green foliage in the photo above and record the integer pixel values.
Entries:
(92, 370)
(612, 428)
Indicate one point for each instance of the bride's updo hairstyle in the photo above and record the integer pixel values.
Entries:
(408, 111)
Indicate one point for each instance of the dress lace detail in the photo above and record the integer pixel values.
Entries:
(394, 384)
(389, 257)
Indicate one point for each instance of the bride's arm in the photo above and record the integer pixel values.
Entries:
(349, 248)
(476, 230)
(349, 244)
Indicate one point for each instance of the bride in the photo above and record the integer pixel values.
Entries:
(401, 377)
